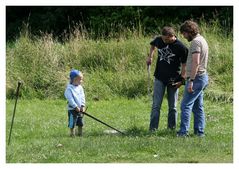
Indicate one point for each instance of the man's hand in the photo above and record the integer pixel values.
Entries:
(177, 85)
(150, 56)
(149, 60)
(190, 87)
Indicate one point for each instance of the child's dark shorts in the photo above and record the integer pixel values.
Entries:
(74, 119)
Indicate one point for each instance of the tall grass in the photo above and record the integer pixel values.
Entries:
(113, 67)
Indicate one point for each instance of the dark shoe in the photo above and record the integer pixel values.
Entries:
(182, 135)
(172, 128)
(200, 135)
(152, 130)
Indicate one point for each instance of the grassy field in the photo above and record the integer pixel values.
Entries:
(115, 82)
(41, 125)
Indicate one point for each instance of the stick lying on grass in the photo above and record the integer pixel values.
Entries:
(14, 111)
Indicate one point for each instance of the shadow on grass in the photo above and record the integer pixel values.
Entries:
(130, 132)
(133, 131)
(143, 132)
(136, 132)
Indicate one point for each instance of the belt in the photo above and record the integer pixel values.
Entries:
(199, 73)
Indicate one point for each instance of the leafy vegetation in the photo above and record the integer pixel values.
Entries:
(108, 21)
(113, 67)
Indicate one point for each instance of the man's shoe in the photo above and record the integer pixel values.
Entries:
(200, 135)
(182, 135)
(152, 130)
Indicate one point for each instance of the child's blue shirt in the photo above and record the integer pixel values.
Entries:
(75, 96)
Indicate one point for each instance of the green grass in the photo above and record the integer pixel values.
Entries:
(115, 74)
(40, 125)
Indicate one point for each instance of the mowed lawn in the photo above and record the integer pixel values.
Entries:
(41, 125)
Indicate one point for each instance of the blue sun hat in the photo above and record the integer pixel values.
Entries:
(74, 73)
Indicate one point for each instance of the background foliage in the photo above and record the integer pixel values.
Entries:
(108, 21)
(109, 45)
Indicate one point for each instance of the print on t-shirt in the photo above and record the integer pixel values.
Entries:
(166, 54)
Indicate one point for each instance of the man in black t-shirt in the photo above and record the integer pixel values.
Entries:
(172, 55)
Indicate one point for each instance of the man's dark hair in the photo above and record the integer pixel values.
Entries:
(168, 31)
(190, 27)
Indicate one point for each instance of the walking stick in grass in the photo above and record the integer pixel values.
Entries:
(14, 111)
(148, 69)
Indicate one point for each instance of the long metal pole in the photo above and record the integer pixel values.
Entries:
(14, 111)
(148, 69)
(102, 122)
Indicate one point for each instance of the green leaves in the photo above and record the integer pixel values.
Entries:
(112, 67)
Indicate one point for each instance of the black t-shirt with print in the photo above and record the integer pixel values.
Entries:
(170, 57)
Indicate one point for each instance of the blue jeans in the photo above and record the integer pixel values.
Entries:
(193, 102)
(74, 119)
(172, 96)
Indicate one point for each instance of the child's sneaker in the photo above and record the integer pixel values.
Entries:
(72, 133)
(80, 131)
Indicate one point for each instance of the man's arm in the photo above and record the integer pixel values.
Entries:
(183, 70)
(195, 65)
(183, 75)
(151, 54)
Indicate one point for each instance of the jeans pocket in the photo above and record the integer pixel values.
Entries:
(200, 82)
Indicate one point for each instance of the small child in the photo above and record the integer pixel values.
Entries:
(75, 96)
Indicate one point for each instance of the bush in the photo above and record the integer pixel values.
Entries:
(112, 67)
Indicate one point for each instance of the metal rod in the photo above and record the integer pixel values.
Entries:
(148, 69)
(102, 122)
(14, 112)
